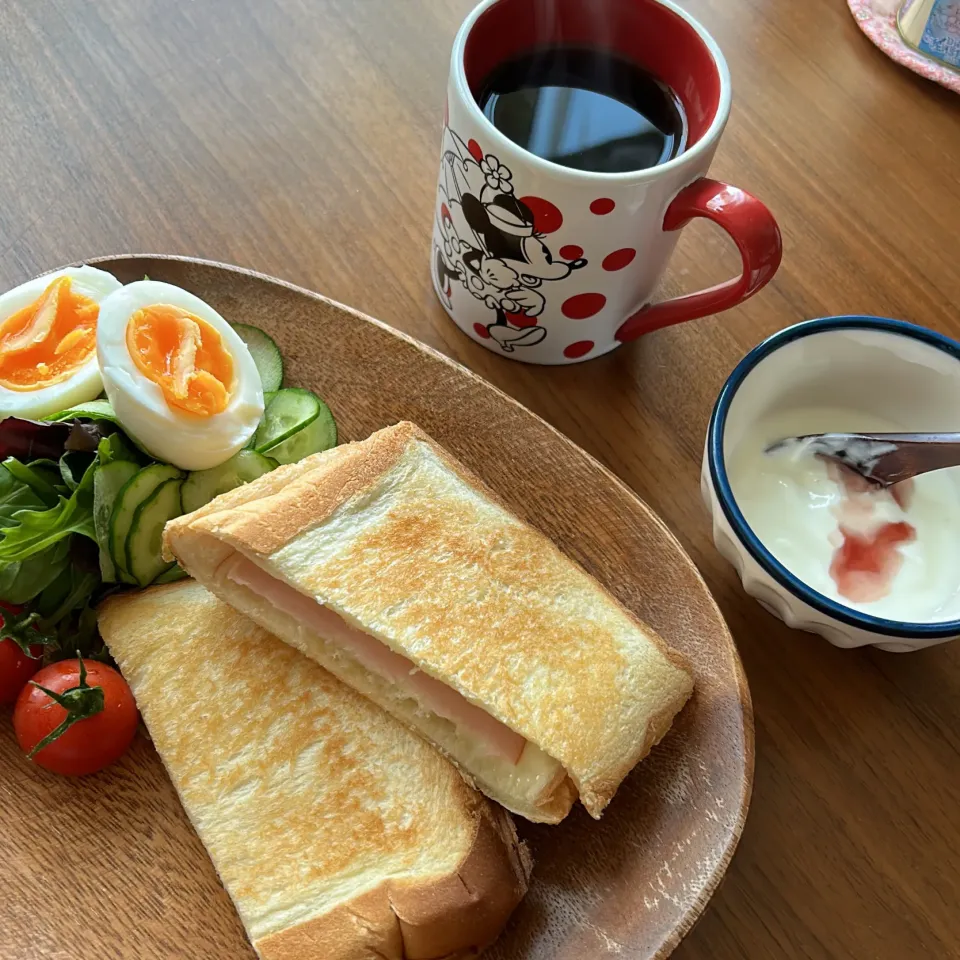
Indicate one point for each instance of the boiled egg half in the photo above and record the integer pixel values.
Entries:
(48, 341)
(181, 382)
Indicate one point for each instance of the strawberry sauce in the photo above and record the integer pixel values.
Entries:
(867, 560)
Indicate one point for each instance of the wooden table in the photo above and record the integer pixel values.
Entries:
(300, 138)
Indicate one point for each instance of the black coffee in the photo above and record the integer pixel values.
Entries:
(585, 108)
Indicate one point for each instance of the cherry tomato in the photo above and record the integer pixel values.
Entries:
(96, 712)
(16, 668)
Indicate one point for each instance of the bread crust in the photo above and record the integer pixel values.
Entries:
(305, 495)
(451, 918)
(259, 523)
(157, 638)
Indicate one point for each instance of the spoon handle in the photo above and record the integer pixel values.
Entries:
(912, 456)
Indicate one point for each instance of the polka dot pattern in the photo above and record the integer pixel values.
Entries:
(619, 259)
(583, 305)
(520, 319)
(579, 349)
(571, 252)
(475, 150)
(547, 217)
(602, 206)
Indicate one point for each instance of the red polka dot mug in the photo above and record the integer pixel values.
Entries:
(548, 264)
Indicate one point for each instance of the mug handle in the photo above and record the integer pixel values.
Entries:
(754, 231)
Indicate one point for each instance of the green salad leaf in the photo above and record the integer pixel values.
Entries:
(37, 530)
(15, 496)
(115, 447)
(73, 465)
(92, 410)
(66, 593)
(41, 477)
(67, 605)
(22, 580)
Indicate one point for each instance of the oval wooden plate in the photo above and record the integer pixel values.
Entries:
(109, 865)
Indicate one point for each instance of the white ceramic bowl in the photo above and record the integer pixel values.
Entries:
(896, 370)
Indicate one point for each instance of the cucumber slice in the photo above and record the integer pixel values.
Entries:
(92, 410)
(108, 481)
(202, 486)
(135, 491)
(172, 574)
(319, 434)
(146, 532)
(268, 396)
(287, 412)
(265, 353)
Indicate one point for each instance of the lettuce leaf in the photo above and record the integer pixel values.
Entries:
(37, 530)
(91, 410)
(20, 582)
(72, 467)
(67, 606)
(48, 548)
(115, 447)
(68, 592)
(15, 496)
(31, 439)
(38, 477)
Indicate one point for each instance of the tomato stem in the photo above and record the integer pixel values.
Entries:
(81, 702)
(22, 628)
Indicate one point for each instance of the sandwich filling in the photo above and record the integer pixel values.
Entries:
(377, 657)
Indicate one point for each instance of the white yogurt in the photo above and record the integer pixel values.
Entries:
(801, 512)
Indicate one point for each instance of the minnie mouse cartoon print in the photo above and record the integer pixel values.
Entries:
(491, 244)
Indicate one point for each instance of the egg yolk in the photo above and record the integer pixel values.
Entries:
(47, 341)
(184, 356)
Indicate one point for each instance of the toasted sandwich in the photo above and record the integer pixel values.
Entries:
(391, 565)
(339, 834)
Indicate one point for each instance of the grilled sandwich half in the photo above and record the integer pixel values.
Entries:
(338, 833)
(390, 564)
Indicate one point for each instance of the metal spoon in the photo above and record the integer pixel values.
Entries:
(883, 458)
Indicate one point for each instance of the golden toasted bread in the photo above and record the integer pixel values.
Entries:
(400, 541)
(338, 833)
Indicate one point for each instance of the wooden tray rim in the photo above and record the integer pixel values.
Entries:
(693, 913)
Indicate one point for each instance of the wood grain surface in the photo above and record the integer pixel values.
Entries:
(300, 138)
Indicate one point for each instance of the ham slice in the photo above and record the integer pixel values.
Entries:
(378, 658)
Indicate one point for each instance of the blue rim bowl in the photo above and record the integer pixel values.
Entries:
(718, 472)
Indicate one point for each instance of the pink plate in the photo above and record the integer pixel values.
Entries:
(878, 20)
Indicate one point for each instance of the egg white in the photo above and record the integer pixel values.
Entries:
(188, 442)
(84, 384)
